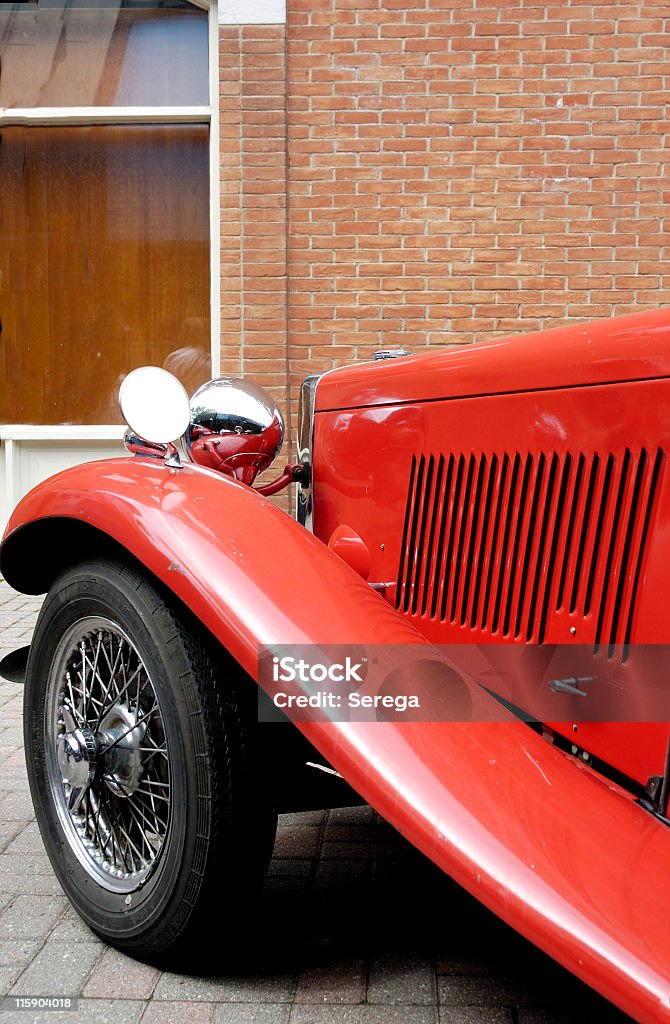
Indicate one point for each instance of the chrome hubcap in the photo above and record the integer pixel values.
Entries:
(107, 754)
(122, 741)
(78, 758)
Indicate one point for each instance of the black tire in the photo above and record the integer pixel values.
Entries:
(205, 848)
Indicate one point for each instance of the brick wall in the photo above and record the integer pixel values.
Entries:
(253, 205)
(463, 169)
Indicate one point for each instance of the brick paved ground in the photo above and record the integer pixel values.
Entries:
(360, 929)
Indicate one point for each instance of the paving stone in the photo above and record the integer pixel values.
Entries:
(342, 873)
(11, 691)
(290, 868)
(179, 1013)
(93, 1011)
(14, 692)
(296, 842)
(8, 976)
(57, 970)
(369, 832)
(18, 630)
(14, 958)
(28, 840)
(34, 878)
(37, 885)
(13, 780)
(11, 699)
(303, 818)
(8, 832)
(34, 863)
(12, 710)
(602, 1012)
(13, 638)
(16, 806)
(11, 735)
(279, 885)
(475, 1015)
(267, 989)
(365, 1014)
(7, 695)
(31, 917)
(7, 714)
(402, 979)
(72, 929)
(369, 851)
(116, 973)
(17, 953)
(13, 758)
(466, 964)
(468, 991)
(246, 1013)
(336, 983)
(351, 815)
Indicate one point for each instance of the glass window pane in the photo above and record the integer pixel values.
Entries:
(104, 265)
(90, 54)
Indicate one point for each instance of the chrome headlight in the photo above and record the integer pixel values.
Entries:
(235, 428)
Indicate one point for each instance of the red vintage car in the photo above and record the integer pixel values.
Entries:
(503, 510)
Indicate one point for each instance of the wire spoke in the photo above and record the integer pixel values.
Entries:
(153, 796)
(95, 674)
(130, 729)
(119, 695)
(140, 829)
(130, 844)
(73, 704)
(82, 671)
(124, 816)
(112, 679)
(115, 823)
(129, 805)
(152, 824)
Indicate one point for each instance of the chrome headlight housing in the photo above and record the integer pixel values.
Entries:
(236, 428)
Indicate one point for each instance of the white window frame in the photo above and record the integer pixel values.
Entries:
(17, 440)
(206, 114)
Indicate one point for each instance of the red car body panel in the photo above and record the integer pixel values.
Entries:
(207, 537)
(589, 568)
(548, 846)
(566, 857)
(621, 349)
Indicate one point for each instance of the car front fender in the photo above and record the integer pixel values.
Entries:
(250, 573)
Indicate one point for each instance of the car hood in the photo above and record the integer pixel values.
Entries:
(601, 352)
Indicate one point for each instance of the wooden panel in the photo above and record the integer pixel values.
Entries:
(104, 265)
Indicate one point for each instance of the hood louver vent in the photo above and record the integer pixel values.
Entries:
(502, 544)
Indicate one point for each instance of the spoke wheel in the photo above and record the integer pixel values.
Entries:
(108, 759)
(142, 749)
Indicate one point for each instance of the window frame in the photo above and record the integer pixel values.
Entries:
(14, 437)
(203, 114)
